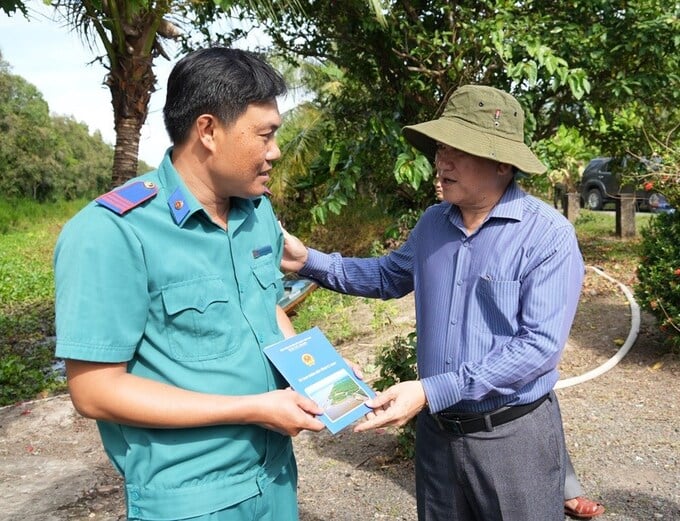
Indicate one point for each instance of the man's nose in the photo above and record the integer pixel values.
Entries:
(274, 152)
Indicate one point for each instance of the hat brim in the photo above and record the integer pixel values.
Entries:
(452, 132)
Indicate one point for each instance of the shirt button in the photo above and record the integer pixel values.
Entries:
(135, 496)
(459, 283)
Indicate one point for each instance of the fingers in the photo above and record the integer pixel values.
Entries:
(355, 368)
(381, 399)
(288, 412)
(375, 421)
(312, 424)
(310, 406)
(394, 407)
(294, 253)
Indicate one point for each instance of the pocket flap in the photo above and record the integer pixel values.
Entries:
(267, 274)
(195, 294)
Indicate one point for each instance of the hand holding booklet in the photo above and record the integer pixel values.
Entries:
(312, 367)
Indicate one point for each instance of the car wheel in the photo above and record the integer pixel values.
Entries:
(594, 199)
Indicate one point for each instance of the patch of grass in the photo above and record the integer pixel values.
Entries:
(383, 313)
(19, 215)
(26, 266)
(28, 232)
(596, 232)
(27, 351)
(331, 309)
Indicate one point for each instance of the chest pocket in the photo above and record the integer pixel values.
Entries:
(269, 278)
(498, 303)
(267, 275)
(198, 319)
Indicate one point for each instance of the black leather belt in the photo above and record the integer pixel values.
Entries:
(464, 423)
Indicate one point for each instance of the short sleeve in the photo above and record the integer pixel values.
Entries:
(102, 298)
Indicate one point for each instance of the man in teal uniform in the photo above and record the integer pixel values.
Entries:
(166, 295)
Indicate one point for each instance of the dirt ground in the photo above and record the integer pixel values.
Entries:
(622, 428)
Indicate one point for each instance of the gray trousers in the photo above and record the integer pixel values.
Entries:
(513, 473)
(572, 487)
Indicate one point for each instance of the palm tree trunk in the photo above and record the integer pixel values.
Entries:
(130, 101)
(125, 157)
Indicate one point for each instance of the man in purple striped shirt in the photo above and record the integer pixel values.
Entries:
(497, 275)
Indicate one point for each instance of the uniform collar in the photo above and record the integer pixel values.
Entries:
(183, 204)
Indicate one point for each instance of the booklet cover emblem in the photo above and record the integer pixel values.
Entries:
(312, 367)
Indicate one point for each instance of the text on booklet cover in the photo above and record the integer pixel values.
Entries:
(312, 367)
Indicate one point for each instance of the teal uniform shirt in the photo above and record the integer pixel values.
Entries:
(184, 302)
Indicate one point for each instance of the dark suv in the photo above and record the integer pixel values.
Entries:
(600, 184)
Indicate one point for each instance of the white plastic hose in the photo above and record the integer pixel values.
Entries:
(632, 337)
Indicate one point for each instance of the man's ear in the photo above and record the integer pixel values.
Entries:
(505, 169)
(206, 125)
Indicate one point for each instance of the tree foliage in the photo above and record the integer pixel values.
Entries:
(131, 34)
(577, 64)
(45, 157)
(11, 6)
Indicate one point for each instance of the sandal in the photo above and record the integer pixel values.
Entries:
(585, 508)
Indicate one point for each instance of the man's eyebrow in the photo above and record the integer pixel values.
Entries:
(272, 127)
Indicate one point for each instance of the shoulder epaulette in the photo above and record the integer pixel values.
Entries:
(127, 197)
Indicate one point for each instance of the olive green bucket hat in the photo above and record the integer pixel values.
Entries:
(482, 121)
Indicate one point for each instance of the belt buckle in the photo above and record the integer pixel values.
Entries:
(449, 424)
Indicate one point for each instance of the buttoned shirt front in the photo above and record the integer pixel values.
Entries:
(493, 308)
(184, 302)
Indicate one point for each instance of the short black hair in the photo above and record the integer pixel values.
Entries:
(219, 81)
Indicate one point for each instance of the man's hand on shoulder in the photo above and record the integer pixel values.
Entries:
(294, 253)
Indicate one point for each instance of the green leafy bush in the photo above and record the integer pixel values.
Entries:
(27, 351)
(397, 362)
(658, 287)
(28, 231)
(23, 377)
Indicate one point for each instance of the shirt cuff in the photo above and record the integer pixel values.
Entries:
(317, 265)
(440, 392)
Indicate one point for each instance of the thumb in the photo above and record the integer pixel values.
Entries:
(310, 406)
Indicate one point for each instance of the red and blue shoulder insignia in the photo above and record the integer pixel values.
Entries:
(127, 197)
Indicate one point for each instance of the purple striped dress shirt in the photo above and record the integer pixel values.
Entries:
(493, 308)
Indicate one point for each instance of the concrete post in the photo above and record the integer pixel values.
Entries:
(625, 215)
(571, 206)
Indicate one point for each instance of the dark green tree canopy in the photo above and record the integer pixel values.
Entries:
(44, 157)
(599, 67)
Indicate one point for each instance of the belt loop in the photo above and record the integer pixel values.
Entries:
(488, 423)
(439, 422)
